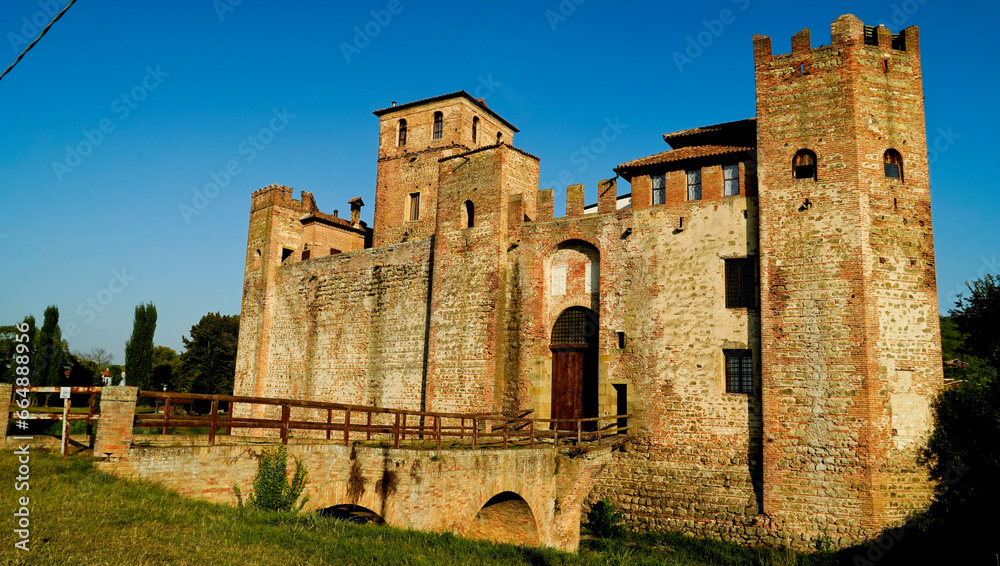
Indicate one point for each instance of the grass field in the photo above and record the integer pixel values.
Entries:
(81, 516)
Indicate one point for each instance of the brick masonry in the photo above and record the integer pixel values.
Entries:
(454, 310)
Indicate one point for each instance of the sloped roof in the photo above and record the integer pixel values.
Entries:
(682, 154)
(460, 94)
(738, 133)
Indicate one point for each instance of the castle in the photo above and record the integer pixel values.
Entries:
(763, 302)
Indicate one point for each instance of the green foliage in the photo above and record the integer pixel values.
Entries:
(75, 427)
(208, 364)
(166, 369)
(978, 318)
(139, 347)
(49, 352)
(8, 347)
(604, 520)
(271, 489)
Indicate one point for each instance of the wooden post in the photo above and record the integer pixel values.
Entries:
(579, 430)
(505, 435)
(166, 415)
(90, 415)
(65, 425)
(475, 432)
(329, 421)
(347, 427)
(437, 431)
(555, 436)
(531, 425)
(598, 431)
(395, 443)
(286, 413)
(214, 422)
(229, 418)
(404, 427)
(461, 430)
(368, 435)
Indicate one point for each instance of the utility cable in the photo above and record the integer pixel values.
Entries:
(32, 44)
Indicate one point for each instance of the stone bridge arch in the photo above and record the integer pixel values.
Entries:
(510, 498)
(336, 493)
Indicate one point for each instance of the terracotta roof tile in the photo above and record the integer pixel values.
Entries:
(682, 154)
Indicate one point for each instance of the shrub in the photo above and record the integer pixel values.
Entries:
(604, 520)
(75, 427)
(271, 488)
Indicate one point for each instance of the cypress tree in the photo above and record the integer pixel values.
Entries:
(139, 347)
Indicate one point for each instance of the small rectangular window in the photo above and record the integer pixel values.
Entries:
(414, 206)
(659, 189)
(621, 340)
(731, 179)
(892, 170)
(694, 184)
(739, 371)
(286, 253)
(741, 282)
(305, 254)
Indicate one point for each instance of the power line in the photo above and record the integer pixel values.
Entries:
(32, 44)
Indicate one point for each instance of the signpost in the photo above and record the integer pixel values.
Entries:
(64, 393)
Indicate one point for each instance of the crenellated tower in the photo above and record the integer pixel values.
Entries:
(850, 335)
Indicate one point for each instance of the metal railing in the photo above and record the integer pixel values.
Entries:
(359, 422)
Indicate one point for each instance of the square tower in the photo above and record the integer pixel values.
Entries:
(412, 138)
(849, 316)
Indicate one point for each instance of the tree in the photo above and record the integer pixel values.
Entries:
(208, 364)
(139, 347)
(166, 369)
(50, 353)
(963, 451)
(100, 357)
(8, 346)
(978, 318)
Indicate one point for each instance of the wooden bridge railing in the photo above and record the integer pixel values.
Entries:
(361, 422)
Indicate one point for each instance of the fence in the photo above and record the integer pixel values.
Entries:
(363, 422)
(22, 412)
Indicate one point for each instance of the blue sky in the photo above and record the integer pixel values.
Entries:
(179, 87)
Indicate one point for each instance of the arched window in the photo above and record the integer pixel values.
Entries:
(401, 140)
(438, 125)
(470, 214)
(499, 138)
(804, 165)
(893, 165)
(475, 128)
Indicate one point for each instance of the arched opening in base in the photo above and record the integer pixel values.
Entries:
(506, 517)
(353, 514)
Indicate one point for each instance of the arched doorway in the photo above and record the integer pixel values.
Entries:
(506, 517)
(574, 346)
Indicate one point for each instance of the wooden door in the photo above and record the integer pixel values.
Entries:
(567, 383)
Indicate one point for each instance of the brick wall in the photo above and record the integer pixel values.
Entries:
(114, 427)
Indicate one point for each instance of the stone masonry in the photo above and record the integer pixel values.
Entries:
(762, 303)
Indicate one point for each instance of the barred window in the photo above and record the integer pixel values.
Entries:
(694, 184)
(659, 189)
(731, 179)
(739, 371)
(741, 282)
(438, 125)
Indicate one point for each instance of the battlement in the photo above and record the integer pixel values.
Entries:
(281, 195)
(846, 31)
(607, 200)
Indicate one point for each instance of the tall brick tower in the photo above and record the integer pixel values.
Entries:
(412, 138)
(850, 337)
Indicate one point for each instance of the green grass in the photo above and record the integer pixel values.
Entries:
(82, 516)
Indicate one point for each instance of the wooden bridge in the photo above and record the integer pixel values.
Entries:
(506, 477)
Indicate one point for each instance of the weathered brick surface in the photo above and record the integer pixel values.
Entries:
(428, 490)
(114, 427)
(845, 344)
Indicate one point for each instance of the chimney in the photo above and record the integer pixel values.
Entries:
(356, 204)
(393, 103)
